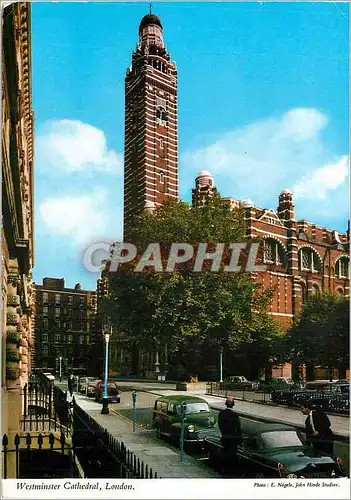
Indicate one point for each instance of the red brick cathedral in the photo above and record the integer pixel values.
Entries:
(151, 128)
(302, 258)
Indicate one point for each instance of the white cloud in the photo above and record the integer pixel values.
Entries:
(259, 160)
(79, 219)
(73, 146)
(320, 181)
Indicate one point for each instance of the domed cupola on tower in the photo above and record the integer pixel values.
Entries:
(151, 124)
(204, 188)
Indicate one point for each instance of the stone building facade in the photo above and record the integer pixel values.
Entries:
(64, 326)
(151, 124)
(17, 211)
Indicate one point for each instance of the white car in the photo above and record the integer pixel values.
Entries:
(49, 376)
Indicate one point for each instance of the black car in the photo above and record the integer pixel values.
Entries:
(274, 450)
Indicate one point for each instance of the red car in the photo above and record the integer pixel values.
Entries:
(113, 393)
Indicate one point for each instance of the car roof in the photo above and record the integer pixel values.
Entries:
(181, 399)
(255, 428)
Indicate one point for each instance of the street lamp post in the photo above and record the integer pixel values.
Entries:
(60, 368)
(221, 365)
(105, 410)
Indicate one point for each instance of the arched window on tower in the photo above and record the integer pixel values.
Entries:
(309, 260)
(162, 178)
(342, 267)
(340, 291)
(161, 116)
(273, 253)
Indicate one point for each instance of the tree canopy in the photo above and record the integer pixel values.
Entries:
(183, 307)
(320, 335)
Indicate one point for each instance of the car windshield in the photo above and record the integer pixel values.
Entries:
(194, 408)
(280, 439)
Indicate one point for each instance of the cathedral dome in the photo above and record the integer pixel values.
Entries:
(247, 203)
(204, 173)
(150, 19)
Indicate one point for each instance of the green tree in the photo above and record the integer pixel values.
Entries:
(189, 311)
(320, 335)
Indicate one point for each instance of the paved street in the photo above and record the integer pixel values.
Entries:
(292, 416)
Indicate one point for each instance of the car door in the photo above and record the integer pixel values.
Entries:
(251, 461)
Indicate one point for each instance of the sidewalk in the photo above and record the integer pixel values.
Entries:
(161, 457)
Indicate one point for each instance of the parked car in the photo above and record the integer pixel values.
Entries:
(49, 376)
(332, 396)
(239, 382)
(276, 384)
(275, 450)
(83, 383)
(113, 393)
(199, 420)
(92, 384)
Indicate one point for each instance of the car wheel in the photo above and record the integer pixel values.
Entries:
(118, 400)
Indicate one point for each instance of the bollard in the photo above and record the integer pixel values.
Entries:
(134, 395)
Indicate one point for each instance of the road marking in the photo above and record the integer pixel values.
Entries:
(125, 418)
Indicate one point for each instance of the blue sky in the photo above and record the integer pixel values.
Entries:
(263, 104)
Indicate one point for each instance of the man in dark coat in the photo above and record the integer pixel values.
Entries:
(71, 385)
(229, 425)
(318, 431)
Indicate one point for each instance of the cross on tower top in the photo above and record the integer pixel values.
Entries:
(150, 5)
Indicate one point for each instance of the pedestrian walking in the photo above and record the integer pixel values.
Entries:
(230, 427)
(70, 385)
(318, 428)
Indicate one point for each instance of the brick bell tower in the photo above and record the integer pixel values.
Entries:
(151, 128)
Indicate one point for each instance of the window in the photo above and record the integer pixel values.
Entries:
(57, 298)
(81, 339)
(57, 338)
(57, 312)
(162, 178)
(45, 350)
(82, 326)
(274, 253)
(194, 408)
(81, 314)
(70, 339)
(45, 310)
(45, 297)
(70, 326)
(82, 300)
(70, 299)
(70, 351)
(161, 116)
(315, 290)
(162, 143)
(45, 324)
(342, 267)
(280, 439)
(57, 323)
(309, 261)
(44, 337)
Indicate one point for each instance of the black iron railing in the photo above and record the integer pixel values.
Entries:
(101, 454)
(331, 402)
(45, 408)
(42, 456)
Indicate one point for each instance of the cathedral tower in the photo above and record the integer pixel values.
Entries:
(151, 129)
